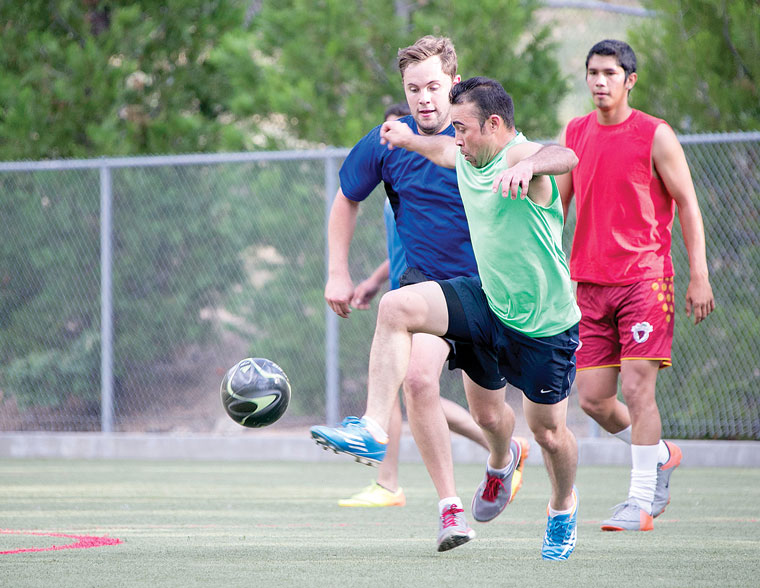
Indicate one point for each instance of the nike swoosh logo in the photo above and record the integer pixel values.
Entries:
(546, 391)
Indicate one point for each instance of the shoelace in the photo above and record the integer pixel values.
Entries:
(561, 528)
(449, 516)
(493, 485)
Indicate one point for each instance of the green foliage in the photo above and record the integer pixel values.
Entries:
(501, 39)
(334, 94)
(699, 65)
(83, 79)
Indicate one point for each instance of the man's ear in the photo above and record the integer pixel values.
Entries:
(630, 82)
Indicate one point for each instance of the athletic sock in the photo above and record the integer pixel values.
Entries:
(663, 453)
(445, 503)
(624, 435)
(375, 430)
(643, 475)
(501, 472)
(553, 513)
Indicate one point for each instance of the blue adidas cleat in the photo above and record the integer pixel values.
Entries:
(561, 533)
(351, 437)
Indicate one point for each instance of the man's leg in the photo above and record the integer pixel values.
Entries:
(427, 420)
(560, 450)
(416, 308)
(460, 421)
(597, 395)
(639, 379)
(497, 420)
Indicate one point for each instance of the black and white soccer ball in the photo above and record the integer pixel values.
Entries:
(255, 392)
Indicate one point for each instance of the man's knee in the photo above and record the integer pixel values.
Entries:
(551, 439)
(394, 308)
(595, 406)
(421, 382)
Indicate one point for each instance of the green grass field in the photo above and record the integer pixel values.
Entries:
(278, 524)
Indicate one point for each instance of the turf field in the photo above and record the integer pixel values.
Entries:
(278, 524)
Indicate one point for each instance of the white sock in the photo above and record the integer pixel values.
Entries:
(663, 453)
(643, 475)
(624, 435)
(553, 513)
(375, 430)
(445, 503)
(501, 472)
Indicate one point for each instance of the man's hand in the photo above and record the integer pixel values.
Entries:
(514, 180)
(364, 294)
(699, 299)
(338, 294)
(395, 134)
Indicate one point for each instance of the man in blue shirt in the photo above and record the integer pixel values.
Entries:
(433, 229)
(385, 490)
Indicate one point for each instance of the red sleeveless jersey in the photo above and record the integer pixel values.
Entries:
(624, 213)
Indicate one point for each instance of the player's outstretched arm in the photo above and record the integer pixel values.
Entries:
(671, 165)
(533, 162)
(440, 149)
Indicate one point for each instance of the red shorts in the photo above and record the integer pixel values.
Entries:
(625, 322)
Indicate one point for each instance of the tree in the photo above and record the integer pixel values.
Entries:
(330, 66)
(699, 64)
(84, 79)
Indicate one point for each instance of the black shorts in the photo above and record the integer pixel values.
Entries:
(542, 367)
(478, 363)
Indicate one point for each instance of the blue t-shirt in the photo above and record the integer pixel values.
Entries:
(396, 254)
(425, 198)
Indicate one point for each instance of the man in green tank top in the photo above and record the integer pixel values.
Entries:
(520, 312)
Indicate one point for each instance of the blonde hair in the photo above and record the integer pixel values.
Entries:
(429, 46)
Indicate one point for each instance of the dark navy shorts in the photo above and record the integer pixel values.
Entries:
(481, 369)
(542, 367)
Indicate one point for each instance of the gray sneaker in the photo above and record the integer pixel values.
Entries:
(664, 471)
(628, 516)
(494, 493)
(453, 529)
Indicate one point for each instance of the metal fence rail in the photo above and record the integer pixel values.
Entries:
(129, 285)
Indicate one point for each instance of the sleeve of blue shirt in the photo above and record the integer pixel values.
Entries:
(362, 170)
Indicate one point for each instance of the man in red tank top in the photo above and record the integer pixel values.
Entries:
(632, 173)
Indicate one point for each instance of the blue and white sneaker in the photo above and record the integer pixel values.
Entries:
(561, 533)
(351, 437)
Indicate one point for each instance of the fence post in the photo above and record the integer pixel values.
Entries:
(106, 302)
(332, 340)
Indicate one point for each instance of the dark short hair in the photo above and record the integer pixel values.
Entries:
(621, 50)
(488, 95)
(399, 109)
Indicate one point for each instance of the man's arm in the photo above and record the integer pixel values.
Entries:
(670, 164)
(565, 181)
(533, 162)
(440, 149)
(340, 231)
(366, 290)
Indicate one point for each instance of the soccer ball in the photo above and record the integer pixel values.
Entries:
(255, 392)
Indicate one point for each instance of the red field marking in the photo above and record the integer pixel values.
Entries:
(81, 541)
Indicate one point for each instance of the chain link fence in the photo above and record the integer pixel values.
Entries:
(129, 286)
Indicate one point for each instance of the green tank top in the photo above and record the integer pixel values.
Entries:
(518, 249)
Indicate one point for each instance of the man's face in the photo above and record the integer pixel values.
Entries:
(475, 143)
(427, 93)
(607, 82)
